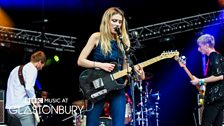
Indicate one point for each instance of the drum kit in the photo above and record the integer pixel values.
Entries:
(147, 103)
(146, 107)
(147, 110)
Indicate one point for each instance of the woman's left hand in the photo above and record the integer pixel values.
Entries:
(140, 71)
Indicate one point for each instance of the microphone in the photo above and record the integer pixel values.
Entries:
(117, 29)
(40, 21)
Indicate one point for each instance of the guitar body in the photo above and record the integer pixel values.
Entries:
(96, 83)
(35, 113)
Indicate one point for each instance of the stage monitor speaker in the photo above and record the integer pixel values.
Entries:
(2, 108)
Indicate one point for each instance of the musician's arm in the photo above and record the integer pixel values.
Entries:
(82, 59)
(207, 80)
(213, 78)
(30, 75)
(84, 62)
(216, 71)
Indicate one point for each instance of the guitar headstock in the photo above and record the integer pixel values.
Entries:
(170, 54)
(181, 60)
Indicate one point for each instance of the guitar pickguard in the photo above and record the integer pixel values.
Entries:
(96, 83)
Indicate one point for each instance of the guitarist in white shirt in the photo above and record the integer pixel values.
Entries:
(214, 93)
(17, 95)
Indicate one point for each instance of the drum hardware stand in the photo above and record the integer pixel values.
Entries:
(157, 113)
(145, 112)
(153, 111)
(199, 110)
(141, 103)
(102, 124)
(146, 101)
(142, 116)
(75, 118)
(140, 119)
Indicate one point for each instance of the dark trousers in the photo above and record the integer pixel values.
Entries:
(117, 102)
(213, 114)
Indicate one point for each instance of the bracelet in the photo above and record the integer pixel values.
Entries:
(201, 82)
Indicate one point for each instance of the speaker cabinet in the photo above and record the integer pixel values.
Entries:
(2, 107)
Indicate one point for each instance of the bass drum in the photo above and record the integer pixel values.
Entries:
(128, 114)
(105, 121)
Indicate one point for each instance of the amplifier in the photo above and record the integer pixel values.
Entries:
(2, 107)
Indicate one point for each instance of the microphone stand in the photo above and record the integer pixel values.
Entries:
(131, 78)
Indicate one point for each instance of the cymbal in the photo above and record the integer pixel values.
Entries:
(80, 103)
(148, 75)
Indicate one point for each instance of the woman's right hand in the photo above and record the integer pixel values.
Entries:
(107, 66)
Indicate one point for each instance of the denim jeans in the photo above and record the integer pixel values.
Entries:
(21, 117)
(117, 103)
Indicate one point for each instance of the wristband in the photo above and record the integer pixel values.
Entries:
(201, 82)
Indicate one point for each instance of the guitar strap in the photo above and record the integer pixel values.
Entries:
(21, 78)
(206, 69)
(20, 73)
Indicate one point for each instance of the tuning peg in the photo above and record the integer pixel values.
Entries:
(183, 57)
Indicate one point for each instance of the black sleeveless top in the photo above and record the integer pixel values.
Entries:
(114, 56)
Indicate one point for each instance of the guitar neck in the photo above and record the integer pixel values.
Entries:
(192, 78)
(151, 61)
(188, 73)
(143, 64)
(122, 73)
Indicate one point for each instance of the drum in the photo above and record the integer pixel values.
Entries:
(105, 121)
(128, 110)
(128, 114)
(81, 121)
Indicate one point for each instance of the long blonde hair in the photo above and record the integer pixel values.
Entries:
(105, 33)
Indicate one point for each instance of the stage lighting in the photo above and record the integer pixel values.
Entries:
(56, 58)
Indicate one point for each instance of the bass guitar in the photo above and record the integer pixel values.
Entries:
(96, 83)
(34, 107)
(201, 89)
(182, 63)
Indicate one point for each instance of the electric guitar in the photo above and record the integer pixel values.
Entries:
(96, 83)
(201, 89)
(33, 106)
(35, 113)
